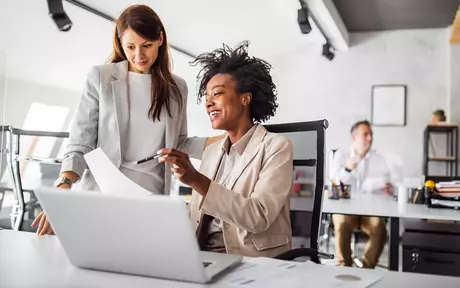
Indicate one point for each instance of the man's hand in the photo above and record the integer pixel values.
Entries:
(351, 163)
(184, 170)
(389, 189)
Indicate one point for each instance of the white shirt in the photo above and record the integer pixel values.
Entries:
(145, 137)
(371, 174)
(228, 161)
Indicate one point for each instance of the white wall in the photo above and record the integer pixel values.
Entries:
(453, 114)
(198, 124)
(310, 87)
(2, 98)
(2, 84)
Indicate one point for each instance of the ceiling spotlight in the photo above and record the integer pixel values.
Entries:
(328, 52)
(302, 18)
(56, 11)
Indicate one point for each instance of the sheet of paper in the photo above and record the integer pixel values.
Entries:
(374, 184)
(326, 276)
(109, 179)
(267, 273)
(254, 271)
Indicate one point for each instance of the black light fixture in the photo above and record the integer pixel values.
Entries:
(302, 18)
(57, 13)
(328, 52)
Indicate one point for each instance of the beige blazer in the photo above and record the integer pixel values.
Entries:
(254, 205)
(102, 120)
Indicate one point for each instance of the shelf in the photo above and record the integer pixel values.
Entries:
(442, 158)
(444, 128)
(302, 203)
(449, 125)
(306, 181)
(305, 162)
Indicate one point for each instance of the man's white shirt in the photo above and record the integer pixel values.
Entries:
(371, 173)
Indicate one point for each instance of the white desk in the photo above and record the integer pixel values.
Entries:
(385, 206)
(27, 260)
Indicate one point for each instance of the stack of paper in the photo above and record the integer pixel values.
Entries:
(449, 189)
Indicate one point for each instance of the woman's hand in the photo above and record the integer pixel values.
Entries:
(44, 227)
(184, 170)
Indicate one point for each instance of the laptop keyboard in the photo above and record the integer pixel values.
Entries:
(206, 264)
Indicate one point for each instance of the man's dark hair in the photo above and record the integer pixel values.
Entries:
(357, 124)
(251, 74)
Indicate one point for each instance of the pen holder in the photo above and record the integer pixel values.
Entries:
(334, 192)
(418, 196)
(346, 188)
(339, 191)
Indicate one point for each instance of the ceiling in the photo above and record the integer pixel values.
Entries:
(375, 15)
(203, 25)
(38, 52)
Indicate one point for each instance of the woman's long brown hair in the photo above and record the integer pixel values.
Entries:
(146, 23)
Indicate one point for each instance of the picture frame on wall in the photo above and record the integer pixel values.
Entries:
(388, 105)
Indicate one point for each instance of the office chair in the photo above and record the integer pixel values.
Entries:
(294, 131)
(358, 237)
(13, 158)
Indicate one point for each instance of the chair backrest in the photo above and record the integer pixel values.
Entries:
(308, 139)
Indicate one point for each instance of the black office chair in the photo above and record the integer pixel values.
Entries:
(315, 136)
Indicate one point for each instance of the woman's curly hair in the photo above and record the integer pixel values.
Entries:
(251, 74)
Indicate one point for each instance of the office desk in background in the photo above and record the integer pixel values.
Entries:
(381, 205)
(27, 260)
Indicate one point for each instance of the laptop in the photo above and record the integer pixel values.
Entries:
(148, 236)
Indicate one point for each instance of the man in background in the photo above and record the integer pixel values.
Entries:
(367, 172)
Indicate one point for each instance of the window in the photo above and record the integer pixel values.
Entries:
(40, 117)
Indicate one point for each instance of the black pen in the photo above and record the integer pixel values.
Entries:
(147, 159)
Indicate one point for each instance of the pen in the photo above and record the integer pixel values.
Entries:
(146, 159)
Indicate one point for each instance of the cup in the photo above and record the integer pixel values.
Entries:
(403, 195)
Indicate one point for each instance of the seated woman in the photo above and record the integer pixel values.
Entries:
(240, 203)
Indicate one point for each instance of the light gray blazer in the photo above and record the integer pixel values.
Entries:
(101, 120)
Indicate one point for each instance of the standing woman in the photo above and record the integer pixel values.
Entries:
(131, 108)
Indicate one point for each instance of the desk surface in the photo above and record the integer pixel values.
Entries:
(28, 260)
(385, 206)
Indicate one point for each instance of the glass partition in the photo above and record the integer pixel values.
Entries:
(6, 194)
